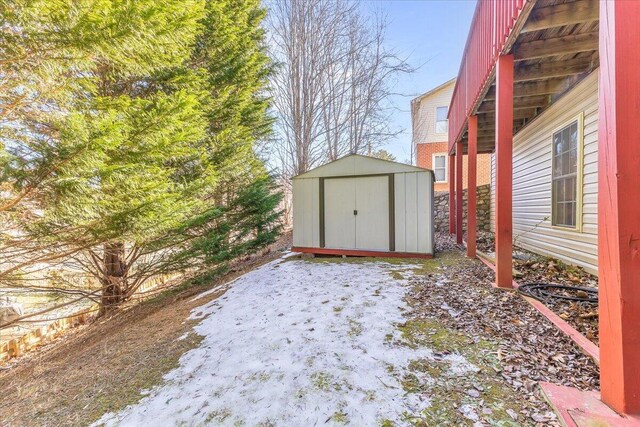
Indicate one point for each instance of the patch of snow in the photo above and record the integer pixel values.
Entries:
(451, 311)
(469, 412)
(522, 256)
(182, 337)
(460, 365)
(293, 343)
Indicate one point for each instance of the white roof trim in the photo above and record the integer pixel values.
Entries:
(383, 166)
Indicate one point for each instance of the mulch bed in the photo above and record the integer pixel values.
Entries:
(485, 242)
(531, 349)
(583, 316)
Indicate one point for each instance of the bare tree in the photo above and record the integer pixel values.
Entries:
(335, 77)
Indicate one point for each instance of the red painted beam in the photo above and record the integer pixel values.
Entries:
(472, 159)
(504, 170)
(619, 205)
(459, 202)
(358, 252)
(452, 199)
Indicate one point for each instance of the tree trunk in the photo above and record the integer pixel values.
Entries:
(114, 281)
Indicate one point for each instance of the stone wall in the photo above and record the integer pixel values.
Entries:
(441, 203)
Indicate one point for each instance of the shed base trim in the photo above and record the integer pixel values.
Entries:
(358, 252)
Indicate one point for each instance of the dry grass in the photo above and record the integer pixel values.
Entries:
(103, 367)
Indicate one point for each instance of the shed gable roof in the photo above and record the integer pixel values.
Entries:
(356, 164)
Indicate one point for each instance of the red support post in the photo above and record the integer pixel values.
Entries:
(504, 170)
(472, 159)
(459, 202)
(619, 205)
(452, 199)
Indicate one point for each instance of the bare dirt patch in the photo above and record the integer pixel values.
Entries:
(104, 366)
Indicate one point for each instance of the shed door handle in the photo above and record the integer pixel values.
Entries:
(355, 212)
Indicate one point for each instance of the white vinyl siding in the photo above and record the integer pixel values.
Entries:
(532, 181)
(424, 122)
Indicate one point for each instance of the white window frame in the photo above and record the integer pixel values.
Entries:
(579, 174)
(446, 167)
(436, 121)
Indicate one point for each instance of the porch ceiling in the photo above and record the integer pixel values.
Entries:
(556, 47)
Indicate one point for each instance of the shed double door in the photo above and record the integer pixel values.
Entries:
(356, 213)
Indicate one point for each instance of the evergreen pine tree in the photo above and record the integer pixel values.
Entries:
(244, 216)
(143, 161)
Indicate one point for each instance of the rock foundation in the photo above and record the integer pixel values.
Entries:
(441, 202)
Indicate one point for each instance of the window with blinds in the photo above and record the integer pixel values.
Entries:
(565, 177)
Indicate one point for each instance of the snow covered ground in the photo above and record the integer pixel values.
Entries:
(293, 343)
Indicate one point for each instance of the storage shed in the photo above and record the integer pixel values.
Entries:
(364, 206)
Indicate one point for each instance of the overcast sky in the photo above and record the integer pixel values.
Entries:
(431, 34)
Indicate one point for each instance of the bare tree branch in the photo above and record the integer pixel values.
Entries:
(332, 89)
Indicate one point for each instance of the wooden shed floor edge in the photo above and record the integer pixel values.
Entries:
(358, 252)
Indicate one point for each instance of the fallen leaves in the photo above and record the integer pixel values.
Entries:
(583, 316)
(529, 348)
(534, 268)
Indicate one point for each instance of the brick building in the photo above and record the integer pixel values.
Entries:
(430, 137)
